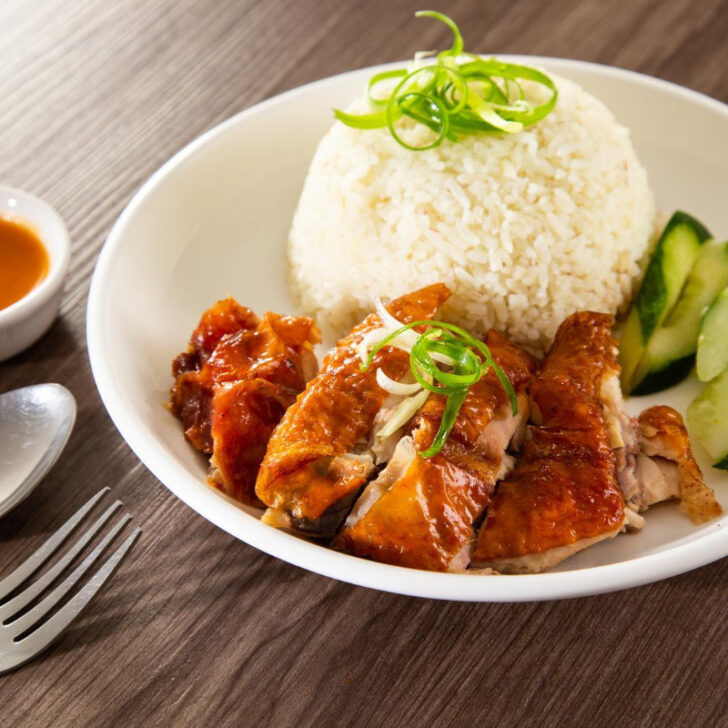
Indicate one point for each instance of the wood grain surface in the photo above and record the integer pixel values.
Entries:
(197, 628)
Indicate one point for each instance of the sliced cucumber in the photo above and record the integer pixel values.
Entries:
(712, 356)
(708, 419)
(668, 376)
(670, 354)
(676, 251)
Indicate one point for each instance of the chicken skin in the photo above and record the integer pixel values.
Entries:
(564, 495)
(233, 384)
(666, 467)
(191, 394)
(338, 454)
(319, 456)
(420, 512)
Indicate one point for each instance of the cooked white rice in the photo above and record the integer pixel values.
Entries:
(525, 228)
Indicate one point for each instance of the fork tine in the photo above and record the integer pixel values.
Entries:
(32, 616)
(36, 642)
(12, 607)
(42, 554)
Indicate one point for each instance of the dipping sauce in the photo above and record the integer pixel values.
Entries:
(23, 261)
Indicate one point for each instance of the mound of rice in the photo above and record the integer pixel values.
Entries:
(525, 228)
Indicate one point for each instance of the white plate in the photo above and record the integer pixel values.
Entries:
(214, 220)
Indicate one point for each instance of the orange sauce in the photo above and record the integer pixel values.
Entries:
(23, 261)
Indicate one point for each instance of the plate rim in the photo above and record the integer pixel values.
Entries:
(620, 575)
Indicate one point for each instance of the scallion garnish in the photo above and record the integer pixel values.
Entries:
(467, 357)
(458, 94)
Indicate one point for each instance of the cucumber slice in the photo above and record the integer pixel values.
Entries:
(669, 356)
(708, 419)
(671, 374)
(712, 356)
(674, 255)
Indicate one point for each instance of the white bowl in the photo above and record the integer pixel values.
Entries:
(214, 220)
(25, 321)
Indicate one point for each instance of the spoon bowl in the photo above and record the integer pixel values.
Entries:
(35, 424)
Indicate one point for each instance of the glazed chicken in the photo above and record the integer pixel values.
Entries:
(420, 512)
(322, 450)
(233, 384)
(320, 455)
(665, 467)
(565, 494)
(587, 467)
(191, 394)
(654, 459)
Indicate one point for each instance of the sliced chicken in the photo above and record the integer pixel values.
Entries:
(420, 512)
(244, 414)
(191, 394)
(565, 494)
(654, 459)
(233, 384)
(667, 469)
(319, 456)
(623, 430)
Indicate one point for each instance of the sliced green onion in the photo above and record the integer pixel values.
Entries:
(402, 414)
(457, 43)
(449, 417)
(378, 78)
(394, 387)
(458, 93)
(445, 343)
(463, 358)
(362, 121)
(438, 122)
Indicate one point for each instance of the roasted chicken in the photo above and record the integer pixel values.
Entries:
(191, 394)
(587, 467)
(666, 468)
(564, 495)
(320, 455)
(420, 512)
(233, 384)
(322, 450)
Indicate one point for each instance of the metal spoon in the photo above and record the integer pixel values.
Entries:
(35, 424)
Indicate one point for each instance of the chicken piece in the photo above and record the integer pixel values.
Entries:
(564, 495)
(623, 431)
(420, 512)
(318, 457)
(244, 414)
(654, 459)
(667, 469)
(224, 317)
(234, 383)
(191, 394)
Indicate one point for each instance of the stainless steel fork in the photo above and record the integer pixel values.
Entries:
(20, 638)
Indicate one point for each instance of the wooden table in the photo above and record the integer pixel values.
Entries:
(200, 629)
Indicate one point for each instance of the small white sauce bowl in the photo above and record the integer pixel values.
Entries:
(25, 321)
